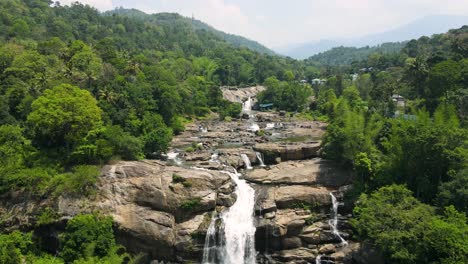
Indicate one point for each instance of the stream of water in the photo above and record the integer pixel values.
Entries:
(260, 159)
(333, 222)
(245, 158)
(230, 237)
(247, 105)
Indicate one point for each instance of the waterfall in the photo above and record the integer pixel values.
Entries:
(260, 159)
(234, 242)
(270, 126)
(245, 158)
(214, 158)
(254, 127)
(174, 156)
(318, 259)
(333, 222)
(247, 105)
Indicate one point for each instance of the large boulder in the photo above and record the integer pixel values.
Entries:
(316, 172)
(162, 210)
(288, 151)
(296, 195)
(239, 95)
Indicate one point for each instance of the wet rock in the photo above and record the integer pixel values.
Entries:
(226, 200)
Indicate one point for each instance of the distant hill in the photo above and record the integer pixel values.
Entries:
(425, 26)
(346, 55)
(235, 40)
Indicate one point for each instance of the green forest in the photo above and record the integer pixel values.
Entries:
(80, 89)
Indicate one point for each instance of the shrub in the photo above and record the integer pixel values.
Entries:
(179, 179)
(157, 141)
(86, 236)
(48, 216)
(190, 204)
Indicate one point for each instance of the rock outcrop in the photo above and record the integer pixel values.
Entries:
(316, 172)
(239, 95)
(290, 151)
(162, 210)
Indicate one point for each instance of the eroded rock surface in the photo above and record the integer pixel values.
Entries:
(316, 172)
(157, 214)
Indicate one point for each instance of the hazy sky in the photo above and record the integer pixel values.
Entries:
(276, 23)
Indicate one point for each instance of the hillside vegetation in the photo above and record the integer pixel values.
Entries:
(80, 89)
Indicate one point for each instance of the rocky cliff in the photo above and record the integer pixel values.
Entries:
(163, 208)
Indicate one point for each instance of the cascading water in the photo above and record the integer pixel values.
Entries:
(260, 159)
(333, 222)
(174, 156)
(245, 158)
(234, 242)
(254, 127)
(247, 105)
(214, 158)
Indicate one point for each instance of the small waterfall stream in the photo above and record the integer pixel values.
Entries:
(230, 238)
(260, 159)
(248, 164)
(334, 220)
(234, 241)
(174, 156)
(247, 105)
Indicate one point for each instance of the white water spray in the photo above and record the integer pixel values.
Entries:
(174, 156)
(333, 222)
(247, 105)
(214, 158)
(254, 127)
(260, 159)
(248, 165)
(234, 243)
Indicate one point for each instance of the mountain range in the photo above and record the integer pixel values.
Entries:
(425, 26)
(235, 40)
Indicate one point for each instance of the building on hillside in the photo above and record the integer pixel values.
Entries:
(319, 81)
(399, 100)
(265, 107)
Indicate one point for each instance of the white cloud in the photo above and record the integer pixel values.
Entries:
(102, 5)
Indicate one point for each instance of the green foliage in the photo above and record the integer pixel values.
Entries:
(88, 236)
(230, 110)
(80, 181)
(286, 95)
(47, 216)
(157, 141)
(179, 179)
(408, 231)
(190, 204)
(124, 144)
(346, 55)
(454, 192)
(447, 237)
(63, 116)
(14, 246)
